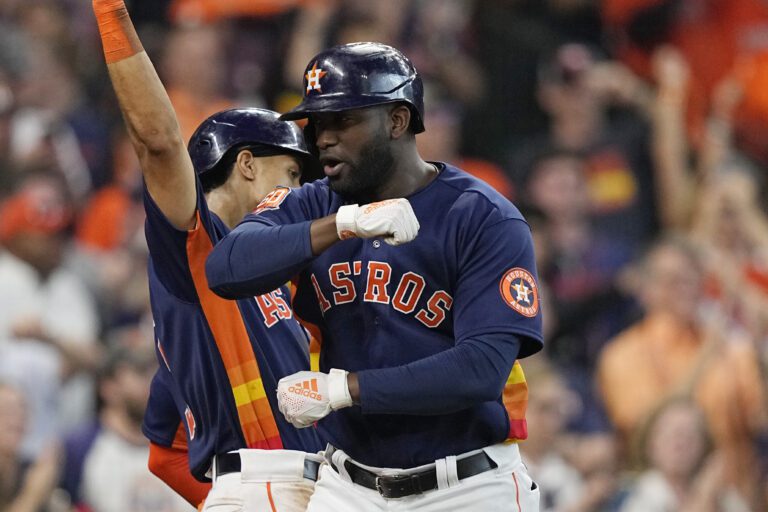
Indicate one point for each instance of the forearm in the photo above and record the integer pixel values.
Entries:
(256, 258)
(148, 114)
(473, 372)
(145, 105)
(28, 502)
(323, 234)
(38, 484)
(670, 153)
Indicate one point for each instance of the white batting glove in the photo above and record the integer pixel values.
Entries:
(306, 397)
(393, 220)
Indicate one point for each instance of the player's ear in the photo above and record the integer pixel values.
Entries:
(400, 119)
(246, 164)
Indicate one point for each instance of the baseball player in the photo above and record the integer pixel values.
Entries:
(225, 358)
(421, 279)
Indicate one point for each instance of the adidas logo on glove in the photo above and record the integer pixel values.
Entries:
(308, 388)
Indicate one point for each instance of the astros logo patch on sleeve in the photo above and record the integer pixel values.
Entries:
(519, 291)
(273, 200)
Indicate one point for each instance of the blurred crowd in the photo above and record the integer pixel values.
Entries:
(633, 135)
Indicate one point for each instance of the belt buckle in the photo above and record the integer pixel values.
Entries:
(395, 487)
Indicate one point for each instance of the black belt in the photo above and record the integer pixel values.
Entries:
(399, 486)
(230, 463)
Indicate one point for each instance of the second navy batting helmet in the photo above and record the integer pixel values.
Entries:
(240, 128)
(360, 75)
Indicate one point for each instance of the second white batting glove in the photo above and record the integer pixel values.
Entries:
(393, 220)
(306, 397)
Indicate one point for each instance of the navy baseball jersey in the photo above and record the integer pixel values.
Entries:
(224, 357)
(459, 300)
(162, 423)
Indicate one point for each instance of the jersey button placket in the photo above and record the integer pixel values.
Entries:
(376, 244)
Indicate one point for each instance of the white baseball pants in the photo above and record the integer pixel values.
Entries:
(269, 481)
(507, 488)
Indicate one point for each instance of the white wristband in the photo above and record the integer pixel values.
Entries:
(338, 389)
(345, 221)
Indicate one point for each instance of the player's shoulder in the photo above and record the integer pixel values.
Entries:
(472, 194)
(314, 188)
(310, 196)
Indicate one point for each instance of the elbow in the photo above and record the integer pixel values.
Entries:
(228, 281)
(157, 139)
(215, 273)
(480, 392)
(155, 462)
(225, 292)
(218, 274)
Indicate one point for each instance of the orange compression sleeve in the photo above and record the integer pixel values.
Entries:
(118, 36)
(171, 466)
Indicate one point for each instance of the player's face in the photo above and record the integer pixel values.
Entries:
(354, 149)
(276, 171)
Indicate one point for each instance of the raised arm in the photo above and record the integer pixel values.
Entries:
(675, 185)
(148, 115)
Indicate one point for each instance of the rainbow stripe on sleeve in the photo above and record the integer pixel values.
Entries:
(515, 398)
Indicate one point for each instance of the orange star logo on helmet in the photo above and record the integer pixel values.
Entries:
(313, 77)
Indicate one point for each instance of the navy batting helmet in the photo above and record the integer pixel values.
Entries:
(244, 127)
(360, 75)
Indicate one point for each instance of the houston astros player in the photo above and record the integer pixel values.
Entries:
(224, 357)
(422, 282)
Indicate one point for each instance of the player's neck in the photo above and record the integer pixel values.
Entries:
(410, 174)
(227, 204)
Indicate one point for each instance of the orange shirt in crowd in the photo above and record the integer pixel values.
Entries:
(643, 365)
(715, 36)
(206, 11)
(191, 111)
(490, 173)
(102, 224)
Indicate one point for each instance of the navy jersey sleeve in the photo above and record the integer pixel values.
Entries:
(168, 245)
(497, 289)
(281, 223)
(161, 418)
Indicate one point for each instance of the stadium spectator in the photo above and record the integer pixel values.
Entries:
(685, 345)
(26, 484)
(112, 452)
(681, 471)
(48, 320)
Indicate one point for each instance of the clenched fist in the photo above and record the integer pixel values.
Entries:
(306, 397)
(393, 220)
